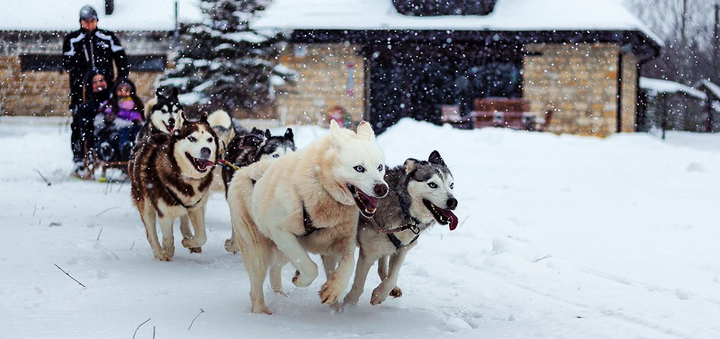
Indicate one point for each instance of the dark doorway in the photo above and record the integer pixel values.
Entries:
(416, 80)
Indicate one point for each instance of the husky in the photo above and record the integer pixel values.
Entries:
(421, 194)
(170, 178)
(251, 148)
(309, 200)
(163, 114)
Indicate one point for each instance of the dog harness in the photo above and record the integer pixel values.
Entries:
(398, 244)
(307, 222)
(177, 199)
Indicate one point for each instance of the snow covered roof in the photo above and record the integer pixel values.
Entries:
(711, 86)
(508, 15)
(129, 15)
(665, 86)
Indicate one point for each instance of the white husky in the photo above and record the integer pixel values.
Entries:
(307, 201)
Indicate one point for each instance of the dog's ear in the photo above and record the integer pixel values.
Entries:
(267, 133)
(174, 93)
(335, 133)
(410, 165)
(180, 120)
(365, 131)
(435, 158)
(250, 140)
(289, 134)
(255, 130)
(159, 92)
(204, 117)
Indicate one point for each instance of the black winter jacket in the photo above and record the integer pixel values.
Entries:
(83, 50)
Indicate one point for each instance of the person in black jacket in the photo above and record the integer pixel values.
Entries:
(83, 50)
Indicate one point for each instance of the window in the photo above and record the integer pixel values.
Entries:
(40, 62)
(53, 62)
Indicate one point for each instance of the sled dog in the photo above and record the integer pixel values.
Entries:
(171, 177)
(251, 148)
(163, 114)
(308, 200)
(421, 194)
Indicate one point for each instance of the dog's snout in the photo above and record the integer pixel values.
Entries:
(171, 122)
(452, 203)
(380, 190)
(205, 152)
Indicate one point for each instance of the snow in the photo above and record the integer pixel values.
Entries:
(508, 15)
(129, 15)
(711, 86)
(665, 86)
(560, 237)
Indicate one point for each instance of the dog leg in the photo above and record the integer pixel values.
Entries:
(337, 282)
(381, 292)
(329, 264)
(185, 227)
(383, 267)
(148, 217)
(197, 217)
(231, 245)
(168, 241)
(289, 245)
(363, 268)
(276, 280)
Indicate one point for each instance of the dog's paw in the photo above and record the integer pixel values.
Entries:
(162, 256)
(379, 295)
(191, 242)
(330, 292)
(195, 249)
(396, 292)
(302, 280)
(281, 293)
(351, 299)
(231, 246)
(261, 310)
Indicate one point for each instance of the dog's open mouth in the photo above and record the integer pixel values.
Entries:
(201, 165)
(442, 216)
(366, 203)
(169, 126)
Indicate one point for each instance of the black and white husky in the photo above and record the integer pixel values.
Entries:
(250, 148)
(163, 114)
(421, 194)
(171, 176)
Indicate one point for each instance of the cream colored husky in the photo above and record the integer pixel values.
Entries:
(309, 200)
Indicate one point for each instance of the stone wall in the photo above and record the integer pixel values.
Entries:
(324, 71)
(580, 81)
(45, 93)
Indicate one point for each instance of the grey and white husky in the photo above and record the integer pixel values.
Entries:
(421, 194)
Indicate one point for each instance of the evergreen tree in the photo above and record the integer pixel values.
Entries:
(222, 63)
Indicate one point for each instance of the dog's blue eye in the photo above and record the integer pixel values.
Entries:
(380, 168)
(192, 139)
(432, 185)
(276, 155)
(360, 169)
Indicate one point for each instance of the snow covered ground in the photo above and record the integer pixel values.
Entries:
(560, 237)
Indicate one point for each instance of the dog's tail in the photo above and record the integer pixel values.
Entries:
(255, 248)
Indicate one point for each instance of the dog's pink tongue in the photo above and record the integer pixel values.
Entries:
(453, 219)
(204, 163)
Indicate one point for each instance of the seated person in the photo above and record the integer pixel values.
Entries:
(95, 92)
(119, 122)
